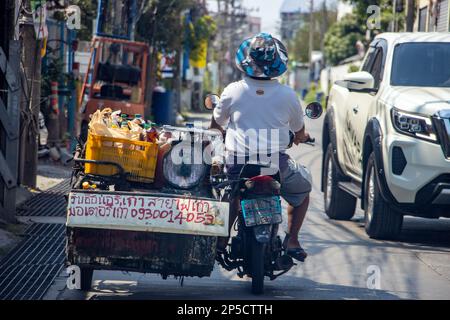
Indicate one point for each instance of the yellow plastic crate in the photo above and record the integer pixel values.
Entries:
(138, 158)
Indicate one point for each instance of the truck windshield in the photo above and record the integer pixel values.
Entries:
(421, 64)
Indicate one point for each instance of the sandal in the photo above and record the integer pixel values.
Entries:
(297, 253)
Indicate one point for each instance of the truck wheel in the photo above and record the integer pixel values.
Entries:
(339, 205)
(257, 263)
(381, 220)
(86, 278)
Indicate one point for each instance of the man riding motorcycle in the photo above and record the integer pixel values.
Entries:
(259, 113)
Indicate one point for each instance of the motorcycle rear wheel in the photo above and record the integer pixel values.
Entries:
(257, 263)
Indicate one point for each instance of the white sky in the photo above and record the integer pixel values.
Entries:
(269, 12)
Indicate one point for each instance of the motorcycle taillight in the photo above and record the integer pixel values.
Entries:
(263, 184)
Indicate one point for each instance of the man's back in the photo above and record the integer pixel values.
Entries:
(259, 114)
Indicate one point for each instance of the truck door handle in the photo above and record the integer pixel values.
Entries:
(355, 109)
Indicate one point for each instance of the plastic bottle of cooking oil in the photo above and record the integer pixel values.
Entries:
(115, 117)
(124, 125)
(152, 134)
(138, 119)
(124, 122)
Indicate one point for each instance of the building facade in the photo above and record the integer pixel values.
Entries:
(293, 15)
(432, 16)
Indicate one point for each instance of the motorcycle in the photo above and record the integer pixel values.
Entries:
(171, 226)
(256, 250)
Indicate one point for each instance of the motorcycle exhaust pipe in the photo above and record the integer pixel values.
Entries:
(284, 262)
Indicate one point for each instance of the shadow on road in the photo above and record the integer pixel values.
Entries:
(426, 232)
(237, 289)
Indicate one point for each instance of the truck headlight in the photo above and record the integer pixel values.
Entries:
(416, 125)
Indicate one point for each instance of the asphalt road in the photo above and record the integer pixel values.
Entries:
(341, 261)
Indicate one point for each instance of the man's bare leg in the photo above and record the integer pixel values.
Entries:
(296, 216)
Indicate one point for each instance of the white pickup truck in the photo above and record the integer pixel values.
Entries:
(386, 134)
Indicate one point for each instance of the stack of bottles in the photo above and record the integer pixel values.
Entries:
(146, 130)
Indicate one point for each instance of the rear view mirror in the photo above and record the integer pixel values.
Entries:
(358, 81)
(314, 110)
(211, 101)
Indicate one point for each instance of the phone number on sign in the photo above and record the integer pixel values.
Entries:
(170, 216)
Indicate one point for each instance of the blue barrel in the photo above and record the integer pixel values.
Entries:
(162, 108)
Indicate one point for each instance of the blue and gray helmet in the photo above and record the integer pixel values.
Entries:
(262, 56)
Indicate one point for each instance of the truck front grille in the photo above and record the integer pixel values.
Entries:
(441, 122)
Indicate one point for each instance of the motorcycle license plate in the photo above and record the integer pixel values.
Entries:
(261, 211)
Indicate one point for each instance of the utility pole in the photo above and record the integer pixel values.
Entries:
(220, 26)
(178, 70)
(232, 29)
(394, 12)
(9, 109)
(118, 22)
(153, 63)
(32, 66)
(228, 29)
(410, 8)
(324, 25)
(31, 104)
(196, 81)
(311, 34)
(223, 29)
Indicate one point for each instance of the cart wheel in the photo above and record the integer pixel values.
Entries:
(86, 278)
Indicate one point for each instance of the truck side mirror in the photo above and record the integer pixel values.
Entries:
(358, 81)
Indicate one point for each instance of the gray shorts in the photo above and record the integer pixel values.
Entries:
(295, 183)
(295, 179)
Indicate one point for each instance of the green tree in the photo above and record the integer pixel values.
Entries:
(386, 18)
(88, 10)
(202, 29)
(299, 46)
(161, 23)
(341, 38)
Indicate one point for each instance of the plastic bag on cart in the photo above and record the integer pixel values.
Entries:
(98, 126)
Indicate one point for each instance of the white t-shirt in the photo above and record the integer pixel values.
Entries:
(259, 115)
